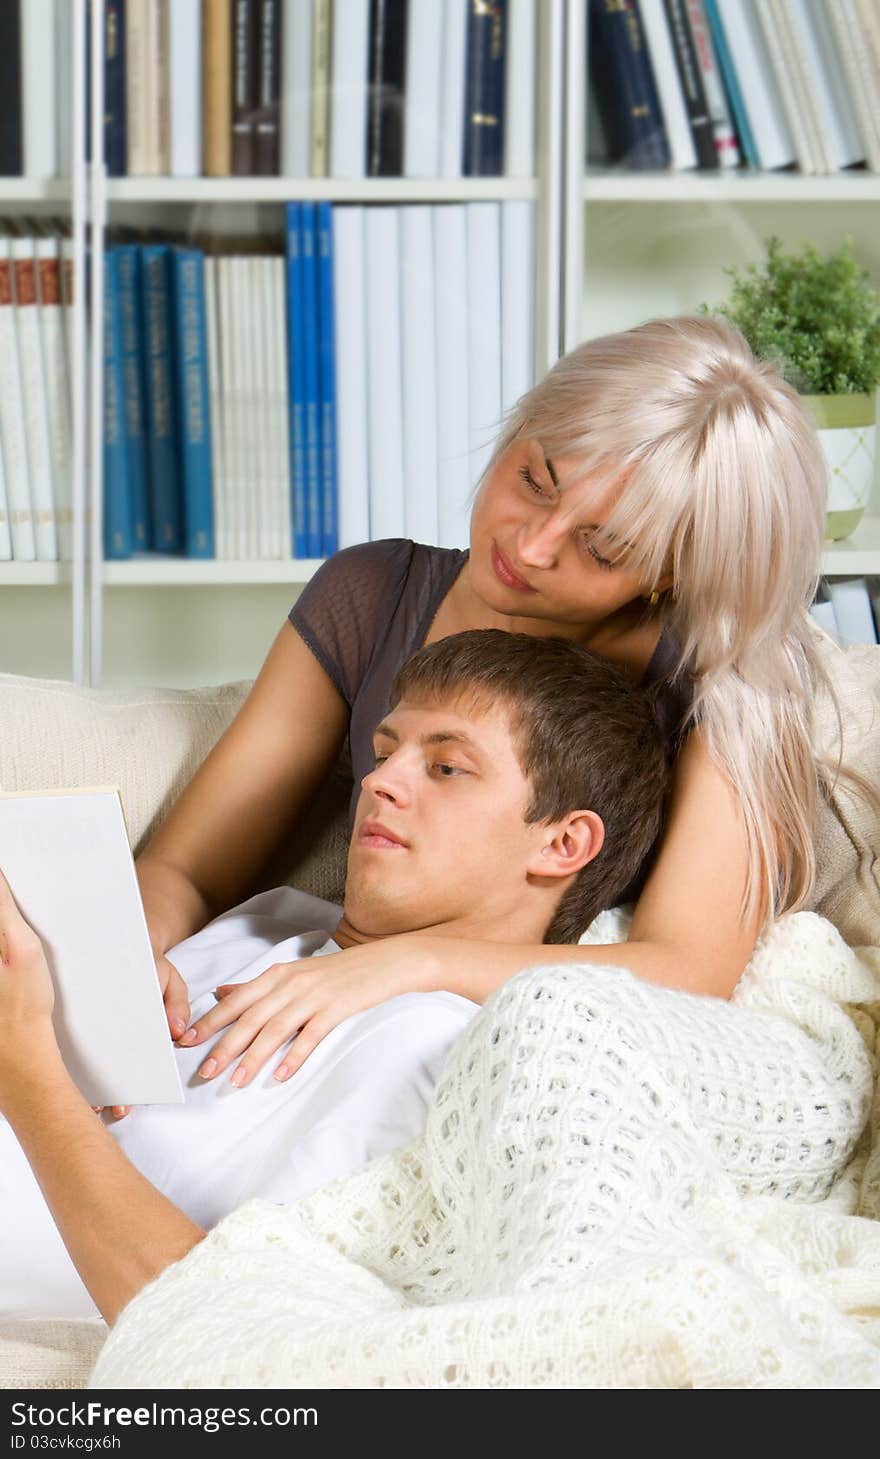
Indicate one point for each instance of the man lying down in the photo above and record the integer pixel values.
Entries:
(517, 791)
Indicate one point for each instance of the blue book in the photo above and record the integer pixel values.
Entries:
(190, 355)
(115, 113)
(311, 400)
(626, 92)
(731, 82)
(327, 381)
(128, 267)
(162, 438)
(296, 384)
(484, 89)
(118, 535)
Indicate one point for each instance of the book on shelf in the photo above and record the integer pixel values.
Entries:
(351, 373)
(622, 74)
(691, 78)
(163, 444)
(386, 95)
(864, 89)
(418, 374)
(117, 522)
(127, 269)
(216, 78)
(185, 87)
(244, 86)
(724, 135)
(115, 110)
(268, 43)
(453, 373)
(57, 385)
(384, 386)
(34, 397)
(11, 117)
(12, 431)
(348, 97)
(852, 610)
(676, 121)
(484, 90)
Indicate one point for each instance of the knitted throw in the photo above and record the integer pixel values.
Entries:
(619, 1185)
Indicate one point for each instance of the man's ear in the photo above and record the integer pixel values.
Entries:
(569, 845)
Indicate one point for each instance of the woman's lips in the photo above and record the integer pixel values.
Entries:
(505, 574)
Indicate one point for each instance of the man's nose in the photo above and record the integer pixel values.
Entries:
(390, 780)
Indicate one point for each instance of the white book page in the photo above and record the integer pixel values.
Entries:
(66, 857)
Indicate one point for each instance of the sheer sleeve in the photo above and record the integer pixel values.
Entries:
(343, 613)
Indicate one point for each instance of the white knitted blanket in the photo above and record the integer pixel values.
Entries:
(618, 1186)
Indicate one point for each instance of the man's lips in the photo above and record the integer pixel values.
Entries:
(373, 833)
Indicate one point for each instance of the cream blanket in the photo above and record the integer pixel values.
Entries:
(618, 1186)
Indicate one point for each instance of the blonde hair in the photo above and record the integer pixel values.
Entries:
(724, 480)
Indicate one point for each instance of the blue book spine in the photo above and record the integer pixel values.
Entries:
(115, 114)
(117, 506)
(620, 68)
(484, 89)
(128, 268)
(296, 385)
(190, 354)
(731, 82)
(309, 282)
(161, 424)
(327, 381)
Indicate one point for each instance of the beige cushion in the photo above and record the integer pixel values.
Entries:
(40, 1354)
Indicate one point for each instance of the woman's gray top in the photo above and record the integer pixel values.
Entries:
(370, 607)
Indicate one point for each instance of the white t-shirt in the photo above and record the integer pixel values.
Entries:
(363, 1090)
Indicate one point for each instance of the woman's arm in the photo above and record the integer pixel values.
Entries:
(210, 849)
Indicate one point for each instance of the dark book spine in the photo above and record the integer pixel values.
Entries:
(266, 156)
(387, 79)
(620, 70)
(691, 78)
(11, 129)
(115, 140)
(244, 77)
(484, 89)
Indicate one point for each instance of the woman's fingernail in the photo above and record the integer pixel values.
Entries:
(282, 1071)
(189, 1037)
(177, 1027)
(208, 1068)
(239, 1077)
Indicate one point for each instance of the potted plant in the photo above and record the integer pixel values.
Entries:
(818, 319)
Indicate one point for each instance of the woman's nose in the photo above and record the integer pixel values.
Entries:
(539, 543)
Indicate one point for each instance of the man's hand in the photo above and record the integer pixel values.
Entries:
(27, 996)
(308, 998)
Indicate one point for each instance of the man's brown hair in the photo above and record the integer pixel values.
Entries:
(586, 738)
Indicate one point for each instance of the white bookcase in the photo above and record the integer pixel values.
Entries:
(612, 249)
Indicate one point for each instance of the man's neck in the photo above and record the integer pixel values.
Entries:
(347, 935)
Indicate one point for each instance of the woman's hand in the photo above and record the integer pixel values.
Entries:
(308, 998)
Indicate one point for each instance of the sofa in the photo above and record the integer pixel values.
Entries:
(150, 741)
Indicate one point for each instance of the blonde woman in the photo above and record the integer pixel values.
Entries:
(659, 497)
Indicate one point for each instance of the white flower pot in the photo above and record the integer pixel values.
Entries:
(846, 427)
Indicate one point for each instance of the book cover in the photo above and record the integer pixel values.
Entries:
(117, 524)
(162, 442)
(128, 283)
(484, 89)
(296, 375)
(190, 356)
(658, 34)
(351, 375)
(217, 87)
(388, 26)
(296, 86)
(452, 74)
(11, 114)
(327, 379)
(421, 123)
(34, 398)
(320, 93)
(453, 373)
(311, 396)
(348, 95)
(268, 85)
(15, 461)
(768, 125)
(626, 93)
(723, 132)
(731, 84)
(244, 86)
(384, 386)
(115, 146)
(58, 402)
(38, 62)
(185, 87)
(419, 378)
(691, 78)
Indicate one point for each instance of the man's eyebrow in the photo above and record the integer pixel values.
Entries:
(436, 737)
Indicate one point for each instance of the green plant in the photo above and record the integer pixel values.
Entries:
(817, 318)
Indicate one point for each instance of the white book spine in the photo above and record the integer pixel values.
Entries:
(484, 331)
(260, 413)
(806, 143)
(296, 82)
(64, 87)
(856, 63)
(15, 462)
(228, 344)
(383, 373)
(57, 388)
(419, 374)
(453, 467)
(759, 86)
(278, 320)
(828, 83)
(352, 435)
(38, 56)
(517, 300)
(716, 100)
(34, 392)
(452, 87)
(868, 16)
(852, 610)
(67, 286)
(421, 123)
(669, 89)
(218, 463)
(5, 533)
(349, 91)
(250, 476)
(138, 109)
(519, 89)
(185, 88)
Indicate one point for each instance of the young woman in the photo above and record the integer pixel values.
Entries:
(660, 498)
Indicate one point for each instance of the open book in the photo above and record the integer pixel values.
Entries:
(66, 856)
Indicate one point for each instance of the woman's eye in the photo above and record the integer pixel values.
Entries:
(603, 562)
(530, 481)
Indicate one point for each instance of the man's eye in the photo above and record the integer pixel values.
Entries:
(530, 481)
(380, 759)
(453, 769)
